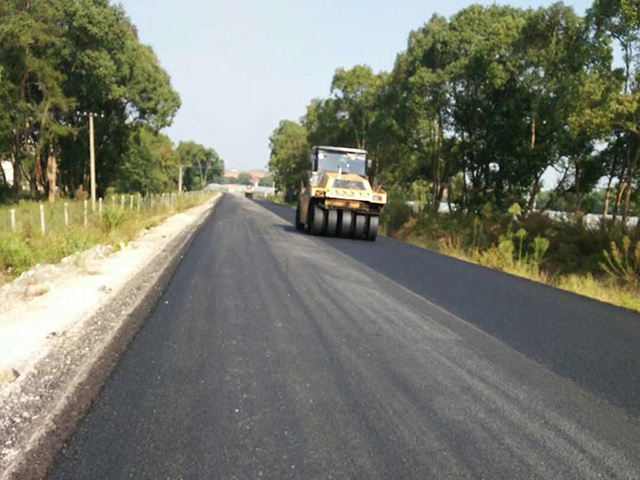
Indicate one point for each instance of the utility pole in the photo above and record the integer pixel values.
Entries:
(180, 180)
(92, 155)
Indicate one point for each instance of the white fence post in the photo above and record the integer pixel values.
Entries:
(122, 202)
(100, 206)
(66, 214)
(139, 200)
(13, 220)
(131, 201)
(43, 225)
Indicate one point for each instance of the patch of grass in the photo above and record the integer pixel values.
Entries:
(589, 286)
(278, 198)
(28, 246)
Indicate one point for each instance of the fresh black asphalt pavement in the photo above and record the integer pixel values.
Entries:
(274, 354)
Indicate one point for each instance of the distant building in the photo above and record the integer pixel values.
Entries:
(256, 175)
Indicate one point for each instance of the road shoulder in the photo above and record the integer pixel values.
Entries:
(41, 408)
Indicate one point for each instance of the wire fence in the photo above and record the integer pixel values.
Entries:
(63, 215)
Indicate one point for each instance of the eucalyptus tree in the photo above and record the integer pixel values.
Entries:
(62, 59)
(31, 42)
(112, 74)
(200, 164)
(324, 125)
(619, 20)
(290, 157)
(151, 164)
(491, 93)
(355, 92)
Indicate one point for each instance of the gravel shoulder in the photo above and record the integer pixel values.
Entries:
(63, 328)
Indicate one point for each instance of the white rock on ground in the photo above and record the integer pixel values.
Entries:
(7, 375)
(49, 299)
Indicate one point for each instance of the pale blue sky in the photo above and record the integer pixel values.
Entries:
(241, 66)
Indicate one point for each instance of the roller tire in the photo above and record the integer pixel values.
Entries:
(299, 224)
(346, 224)
(359, 226)
(372, 227)
(331, 227)
(316, 225)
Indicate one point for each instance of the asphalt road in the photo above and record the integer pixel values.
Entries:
(279, 355)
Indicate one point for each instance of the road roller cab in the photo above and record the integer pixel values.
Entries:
(337, 199)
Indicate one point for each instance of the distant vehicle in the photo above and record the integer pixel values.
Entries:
(248, 192)
(337, 199)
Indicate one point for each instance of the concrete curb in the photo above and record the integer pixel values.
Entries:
(63, 383)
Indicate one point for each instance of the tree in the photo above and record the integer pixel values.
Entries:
(200, 164)
(245, 178)
(151, 164)
(355, 92)
(290, 157)
(619, 19)
(266, 181)
(61, 59)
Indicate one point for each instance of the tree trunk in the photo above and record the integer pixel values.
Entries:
(52, 173)
(625, 210)
(607, 196)
(533, 131)
(621, 188)
(607, 201)
(631, 173)
(533, 194)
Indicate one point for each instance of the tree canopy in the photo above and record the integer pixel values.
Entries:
(61, 60)
(290, 156)
(201, 165)
(482, 104)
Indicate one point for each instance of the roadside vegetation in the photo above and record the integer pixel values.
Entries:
(120, 222)
(600, 263)
(63, 63)
(500, 115)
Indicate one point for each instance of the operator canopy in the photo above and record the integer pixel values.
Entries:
(337, 159)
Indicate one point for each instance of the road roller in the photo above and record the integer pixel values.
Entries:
(337, 200)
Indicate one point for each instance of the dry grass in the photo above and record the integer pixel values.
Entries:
(604, 289)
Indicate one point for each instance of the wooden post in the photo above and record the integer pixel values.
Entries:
(86, 213)
(139, 200)
(131, 201)
(66, 214)
(92, 155)
(43, 225)
(13, 220)
(100, 206)
(122, 202)
(180, 180)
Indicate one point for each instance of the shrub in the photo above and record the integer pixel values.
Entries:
(15, 256)
(396, 212)
(112, 219)
(623, 263)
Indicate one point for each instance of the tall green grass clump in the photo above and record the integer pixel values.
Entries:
(396, 213)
